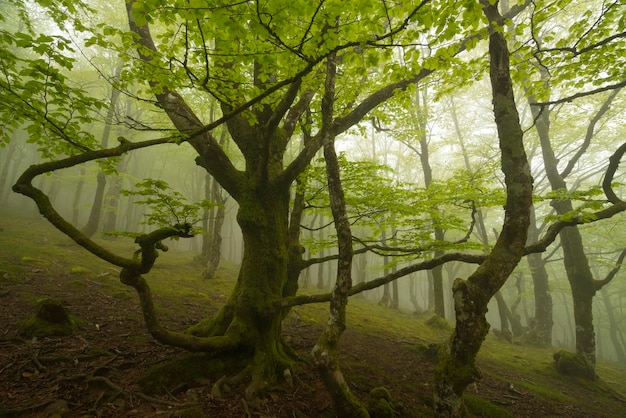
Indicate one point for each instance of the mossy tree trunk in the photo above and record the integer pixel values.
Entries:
(579, 274)
(457, 368)
(326, 349)
(96, 208)
(542, 328)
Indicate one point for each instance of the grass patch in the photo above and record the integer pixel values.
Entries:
(545, 392)
(479, 407)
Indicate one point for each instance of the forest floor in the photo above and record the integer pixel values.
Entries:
(96, 371)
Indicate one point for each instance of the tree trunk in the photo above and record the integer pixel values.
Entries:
(214, 251)
(212, 242)
(249, 312)
(618, 346)
(98, 201)
(413, 295)
(320, 267)
(112, 199)
(583, 290)
(94, 216)
(457, 368)
(77, 196)
(504, 332)
(4, 173)
(575, 260)
(540, 333)
(424, 154)
(326, 349)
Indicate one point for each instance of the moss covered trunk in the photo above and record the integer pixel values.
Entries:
(581, 281)
(457, 368)
(263, 217)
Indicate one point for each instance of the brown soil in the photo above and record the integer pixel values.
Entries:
(95, 371)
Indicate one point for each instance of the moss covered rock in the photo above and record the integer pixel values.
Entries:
(572, 364)
(379, 404)
(437, 322)
(51, 319)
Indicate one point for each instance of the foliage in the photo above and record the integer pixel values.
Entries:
(592, 43)
(589, 203)
(39, 95)
(167, 207)
(378, 202)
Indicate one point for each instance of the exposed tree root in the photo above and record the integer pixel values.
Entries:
(139, 395)
(27, 408)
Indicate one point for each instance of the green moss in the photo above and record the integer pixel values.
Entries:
(138, 338)
(76, 284)
(459, 374)
(572, 364)
(438, 322)
(35, 327)
(78, 270)
(479, 407)
(10, 277)
(429, 351)
(52, 319)
(547, 393)
(163, 377)
(122, 295)
(379, 404)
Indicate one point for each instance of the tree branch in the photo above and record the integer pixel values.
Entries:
(590, 132)
(599, 284)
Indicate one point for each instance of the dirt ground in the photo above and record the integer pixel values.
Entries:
(94, 372)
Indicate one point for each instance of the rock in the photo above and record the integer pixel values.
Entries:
(52, 319)
(57, 409)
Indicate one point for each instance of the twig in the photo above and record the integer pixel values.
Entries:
(7, 366)
(27, 408)
(37, 363)
(95, 404)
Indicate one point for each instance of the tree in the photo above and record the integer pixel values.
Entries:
(591, 45)
(457, 368)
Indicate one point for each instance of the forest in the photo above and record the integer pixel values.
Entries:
(286, 208)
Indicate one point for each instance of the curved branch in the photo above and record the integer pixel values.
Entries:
(590, 132)
(607, 186)
(599, 284)
(573, 97)
(212, 344)
(211, 155)
(373, 284)
(24, 186)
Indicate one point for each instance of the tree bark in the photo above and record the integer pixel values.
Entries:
(540, 333)
(94, 216)
(325, 351)
(212, 242)
(618, 345)
(4, 173)
(457, 368)
(575, 260)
